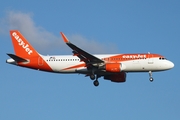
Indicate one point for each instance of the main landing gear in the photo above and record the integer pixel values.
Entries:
(150, 76)
(96, 83)
(93, 77)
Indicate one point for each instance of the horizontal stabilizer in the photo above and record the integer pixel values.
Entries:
(17, 58)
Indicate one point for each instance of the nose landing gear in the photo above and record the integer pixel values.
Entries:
(150, 75)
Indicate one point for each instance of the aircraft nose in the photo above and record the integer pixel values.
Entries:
(170, 64)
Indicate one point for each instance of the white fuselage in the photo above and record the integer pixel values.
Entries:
(72, 64)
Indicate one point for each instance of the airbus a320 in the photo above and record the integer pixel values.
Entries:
(113, 67)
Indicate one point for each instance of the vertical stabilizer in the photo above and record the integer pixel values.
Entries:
(25, 54)
(21, 46)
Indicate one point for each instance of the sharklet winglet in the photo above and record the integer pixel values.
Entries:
(64, 38)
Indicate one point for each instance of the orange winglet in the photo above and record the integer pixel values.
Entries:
(64, 37)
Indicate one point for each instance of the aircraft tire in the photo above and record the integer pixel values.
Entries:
(151, 79)
(96, 83)
(92, 77)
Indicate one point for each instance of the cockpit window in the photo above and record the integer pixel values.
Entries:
(162, 58)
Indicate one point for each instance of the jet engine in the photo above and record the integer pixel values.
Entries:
(120, 77)
(114, 67)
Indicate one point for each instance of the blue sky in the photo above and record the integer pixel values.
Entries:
(97, 27)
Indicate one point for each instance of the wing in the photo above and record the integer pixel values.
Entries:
(83, 55)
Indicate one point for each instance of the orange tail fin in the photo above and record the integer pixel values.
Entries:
(22, 47)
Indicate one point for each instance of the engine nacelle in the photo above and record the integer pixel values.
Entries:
(120, 77)
(114, 67)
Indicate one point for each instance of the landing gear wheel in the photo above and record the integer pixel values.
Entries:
(150, 75)
(96, 83)
(92, 77)
(151, 79)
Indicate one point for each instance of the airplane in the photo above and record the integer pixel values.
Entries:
(113, 67)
